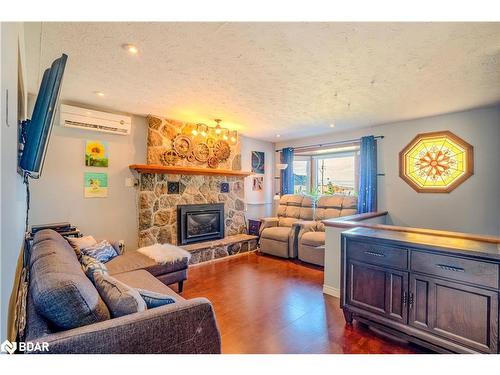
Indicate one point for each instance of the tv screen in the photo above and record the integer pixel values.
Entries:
(39, 128)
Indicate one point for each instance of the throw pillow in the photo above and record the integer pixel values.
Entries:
(91, 265)
(154, 299)
(78, 243)
(119, 297)
(102, 251)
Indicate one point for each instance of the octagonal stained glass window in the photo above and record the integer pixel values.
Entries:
(436, 162)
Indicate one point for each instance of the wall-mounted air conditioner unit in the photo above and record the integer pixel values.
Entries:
(76, 117)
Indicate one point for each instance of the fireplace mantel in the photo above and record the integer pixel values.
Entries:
(161, 169)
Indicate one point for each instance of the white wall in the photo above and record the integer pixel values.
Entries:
(473, 207)
(11, 187)
(258, 204)
(58, 195)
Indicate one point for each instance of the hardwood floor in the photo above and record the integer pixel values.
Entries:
(270, 305)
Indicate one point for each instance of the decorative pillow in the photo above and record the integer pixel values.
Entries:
(119, 297)
(78, 243)
(154, 299)
(102, 251)
(91, 265)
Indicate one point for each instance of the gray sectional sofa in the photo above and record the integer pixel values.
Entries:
(65, 310)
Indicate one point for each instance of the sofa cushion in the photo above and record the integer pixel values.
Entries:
(292, 211)
(102, 251)
(313, 239)
(349, 202)
(120, 298)
(291, 199)
(277, 233)
(287, 221)
(330, 201)
(134, 260)
(141, 279)
(130, 261)
(61, 292)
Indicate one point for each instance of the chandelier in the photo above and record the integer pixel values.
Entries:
(218, 131)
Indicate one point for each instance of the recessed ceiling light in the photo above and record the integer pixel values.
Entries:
(99, 93)
(278, 135)
(332, 125)
(131, 48)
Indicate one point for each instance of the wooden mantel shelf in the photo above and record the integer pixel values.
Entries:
(161, 169)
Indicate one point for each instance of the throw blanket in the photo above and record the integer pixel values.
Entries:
(164, 253)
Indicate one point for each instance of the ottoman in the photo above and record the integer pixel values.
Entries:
(168, 269)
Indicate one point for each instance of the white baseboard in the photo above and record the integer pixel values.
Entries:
(331, 291)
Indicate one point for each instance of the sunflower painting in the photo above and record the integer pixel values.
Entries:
(96, 154)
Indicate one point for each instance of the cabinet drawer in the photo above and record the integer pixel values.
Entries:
(468, 270)
(377, 254)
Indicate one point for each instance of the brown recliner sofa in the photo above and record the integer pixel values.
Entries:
(278, 235)
(311, 234)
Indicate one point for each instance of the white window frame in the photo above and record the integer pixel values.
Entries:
(317, 158)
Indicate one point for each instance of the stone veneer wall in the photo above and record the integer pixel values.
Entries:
(162, 132)
(158, 209)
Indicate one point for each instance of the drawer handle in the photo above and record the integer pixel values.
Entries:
(450, 268)
(375, 253)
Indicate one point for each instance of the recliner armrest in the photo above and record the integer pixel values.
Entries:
(305, 227)
(268, 222)
(179, 328)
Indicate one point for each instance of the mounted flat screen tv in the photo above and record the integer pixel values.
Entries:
(37, 131)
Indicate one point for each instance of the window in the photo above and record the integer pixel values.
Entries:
(301, 174)
(336, 173)
(326, 171)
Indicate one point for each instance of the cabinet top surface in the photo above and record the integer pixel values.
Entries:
(430, 242)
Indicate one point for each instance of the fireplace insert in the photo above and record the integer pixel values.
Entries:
(199, 222)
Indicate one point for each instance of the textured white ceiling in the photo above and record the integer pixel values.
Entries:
(267, 78)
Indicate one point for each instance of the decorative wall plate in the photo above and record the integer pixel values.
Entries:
(222, 150)
(201, 152)
(213, 162)
(169, 157)
(436, 162)
(182, 145)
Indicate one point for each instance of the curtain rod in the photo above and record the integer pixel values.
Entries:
(330, 143)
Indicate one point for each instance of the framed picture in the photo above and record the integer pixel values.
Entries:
(258, 183)
(258, 162)
(96, 185)
(96, 154)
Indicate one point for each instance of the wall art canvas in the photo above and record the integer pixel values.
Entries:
(96, 185)
(258, 183)
(96, 154)
(258, 162)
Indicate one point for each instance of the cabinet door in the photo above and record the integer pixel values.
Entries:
(378, 290)
(464, 314)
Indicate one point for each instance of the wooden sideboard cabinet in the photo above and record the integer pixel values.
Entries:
(438, 292)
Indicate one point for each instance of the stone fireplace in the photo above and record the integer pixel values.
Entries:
(165, 193)
(158, 208)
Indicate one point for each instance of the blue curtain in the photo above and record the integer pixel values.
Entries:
(287, 174)
(367, 200)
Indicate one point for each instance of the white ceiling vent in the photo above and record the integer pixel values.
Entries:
(76, 117)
